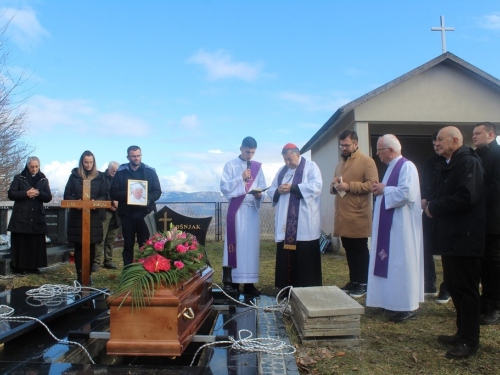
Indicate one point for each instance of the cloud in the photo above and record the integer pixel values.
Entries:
(219, 65)
(47, 114)
(121, 124)
(58, 172)
(326, 102)
(24, 27)
(190, 122)
(490, 21)
(215, 152)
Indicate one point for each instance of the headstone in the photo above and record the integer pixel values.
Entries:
(197, 226)
(326, 316)
(56, 224)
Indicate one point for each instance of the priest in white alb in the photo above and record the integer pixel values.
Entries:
(295, 192)
(395, 277)
(241, 181)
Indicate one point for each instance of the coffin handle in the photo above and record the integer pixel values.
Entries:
(187, 313)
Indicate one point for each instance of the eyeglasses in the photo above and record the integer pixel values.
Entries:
(346, 145)
(383, 148)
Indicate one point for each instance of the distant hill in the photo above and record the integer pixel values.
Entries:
(200, 196)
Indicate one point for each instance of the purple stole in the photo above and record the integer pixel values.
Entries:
(385, 225)
(234, 206)
(292, 217)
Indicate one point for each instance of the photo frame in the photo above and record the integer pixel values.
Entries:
(137, 192)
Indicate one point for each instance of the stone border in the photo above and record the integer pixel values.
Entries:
(271, 325)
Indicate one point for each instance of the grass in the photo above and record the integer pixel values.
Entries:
(387, 348)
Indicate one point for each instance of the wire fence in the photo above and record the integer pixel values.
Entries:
(218, 212)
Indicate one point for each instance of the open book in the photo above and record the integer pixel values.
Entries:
(256, 191)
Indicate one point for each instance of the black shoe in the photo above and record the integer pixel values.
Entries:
(460, 351)
(251, 290)
(448, 340)
(430, 291)
(95, 267)
(443, 296)
(110, 266)
(349, 287)
(359, 292)
(403, 316)
(491, 317)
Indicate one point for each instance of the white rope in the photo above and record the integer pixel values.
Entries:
(264, 345)
(6, 314)
(49, 295)
(283, 306)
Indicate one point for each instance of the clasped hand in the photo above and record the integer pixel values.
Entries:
(284, 188)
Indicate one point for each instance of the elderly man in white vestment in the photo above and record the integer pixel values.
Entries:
(395, 279)
(295, 192)
(241, 181)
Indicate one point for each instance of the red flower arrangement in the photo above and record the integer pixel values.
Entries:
(166, 258)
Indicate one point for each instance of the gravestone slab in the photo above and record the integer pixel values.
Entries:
(321, 301)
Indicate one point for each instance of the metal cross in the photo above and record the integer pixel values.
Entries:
(443, 30)
(165, 221)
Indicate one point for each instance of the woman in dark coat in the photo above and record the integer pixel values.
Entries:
(29, 190)
(74, 191)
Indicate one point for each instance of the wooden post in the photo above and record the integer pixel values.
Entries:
(86, 205)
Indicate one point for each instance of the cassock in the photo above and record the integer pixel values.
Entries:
(403, 288)
(300, 267)
(247, 221)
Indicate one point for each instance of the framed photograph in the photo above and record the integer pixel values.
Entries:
(137, 192)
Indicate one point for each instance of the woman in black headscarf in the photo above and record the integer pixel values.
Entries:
(86, 170)
(29, 190)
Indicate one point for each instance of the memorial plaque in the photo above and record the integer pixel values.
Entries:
(197, 226)
(56, 224)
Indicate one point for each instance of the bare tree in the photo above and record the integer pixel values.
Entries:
(13, 149)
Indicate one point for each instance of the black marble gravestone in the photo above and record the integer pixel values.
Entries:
(197, 226)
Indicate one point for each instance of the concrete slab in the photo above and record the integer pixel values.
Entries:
(325, 301)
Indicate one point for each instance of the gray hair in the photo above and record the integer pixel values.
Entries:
(32, 158)
(390, 140)
(113, 164)
(293, 150)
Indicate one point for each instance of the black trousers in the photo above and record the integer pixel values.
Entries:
(358, 258)
(300, 267)
(461, 275)
(490, 274)
(131, 226)
(78, 258)
(429, 264)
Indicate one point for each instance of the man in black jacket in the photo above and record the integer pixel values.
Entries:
(458, 210)
(484, 138)
(132, 216)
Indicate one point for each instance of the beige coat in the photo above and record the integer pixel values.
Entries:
(353, 212)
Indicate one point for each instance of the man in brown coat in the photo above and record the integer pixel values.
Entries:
(351, 184)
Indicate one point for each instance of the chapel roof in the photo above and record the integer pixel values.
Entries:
(445, 58)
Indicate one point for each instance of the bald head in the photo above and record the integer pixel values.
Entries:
(448, 140)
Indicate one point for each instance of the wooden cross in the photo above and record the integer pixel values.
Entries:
(86, 205)
(443, 30)
(165, 221)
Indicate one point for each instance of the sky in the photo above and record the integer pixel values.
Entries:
(187, 80)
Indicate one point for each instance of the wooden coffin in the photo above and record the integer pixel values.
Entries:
(167, 325)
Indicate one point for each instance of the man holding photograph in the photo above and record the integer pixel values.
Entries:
(132, 214)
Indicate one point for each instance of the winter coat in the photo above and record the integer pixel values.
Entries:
(74, 191)
(28, 214)
(119, 189)
(458, 207)
(490, 157)
(353, 211)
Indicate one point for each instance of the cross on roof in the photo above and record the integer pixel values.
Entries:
(443, 31)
